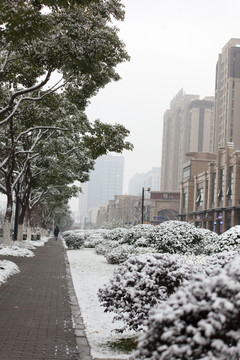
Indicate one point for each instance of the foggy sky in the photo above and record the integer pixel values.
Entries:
(173, 45)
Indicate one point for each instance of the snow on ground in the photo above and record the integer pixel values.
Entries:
(7, 268)
(91, 271)
(21, 248)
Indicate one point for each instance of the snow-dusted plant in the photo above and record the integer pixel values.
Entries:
(172, 237)
(229, 240)
(94, 237)
(141, 283)
(137, 232)
(75, 240)
(181, 237)
(121, 253)
(105, 246)
(66, 233)
(199, 321)
(116, 234)
(211, 264)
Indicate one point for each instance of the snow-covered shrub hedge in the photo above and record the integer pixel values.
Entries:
(66, 233)
(137, 232)
(142, 282)
(211, 264)
(182, 238)
(172, 237)
(94, 237)
(75, 240)
(116, 234)
(229, 240)
(120, 253)
(199, 321)
(105, 246)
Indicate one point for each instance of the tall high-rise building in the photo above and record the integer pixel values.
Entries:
(149, 179)
(201, 136)
(227, 96)
(188, 126)
(176, 125)
(106, 181)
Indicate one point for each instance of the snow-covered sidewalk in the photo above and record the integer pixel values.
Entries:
(90, 272)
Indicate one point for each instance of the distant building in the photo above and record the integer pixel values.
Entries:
(201, 134)
(105, 182)
(227, 95)
(188, 126)
(149, 179)
(210, 191)
(164, 206)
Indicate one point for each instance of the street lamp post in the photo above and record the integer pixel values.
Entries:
(143, 190)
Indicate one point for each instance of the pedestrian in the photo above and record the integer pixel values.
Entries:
(56, 232)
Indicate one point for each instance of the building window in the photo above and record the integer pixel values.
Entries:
(186, 172)
(221, 183)
(213, 186)
(230, 183)
(199, 200)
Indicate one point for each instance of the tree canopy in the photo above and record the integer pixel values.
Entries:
(55, 55)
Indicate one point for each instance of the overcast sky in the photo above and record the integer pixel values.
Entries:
(173, 44)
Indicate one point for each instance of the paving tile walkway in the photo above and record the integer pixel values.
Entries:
(39, 314)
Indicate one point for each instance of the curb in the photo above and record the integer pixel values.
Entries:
(84, 351)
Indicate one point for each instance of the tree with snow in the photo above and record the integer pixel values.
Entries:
(74, 40)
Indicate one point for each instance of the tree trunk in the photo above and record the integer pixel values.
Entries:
(29, 233)
(20, 232)
(29, 228)
(6, 232)
(20, 225)
(7, 220)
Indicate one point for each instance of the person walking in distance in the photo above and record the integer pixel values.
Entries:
(56, 232)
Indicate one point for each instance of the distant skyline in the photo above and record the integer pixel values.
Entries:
(172, 45)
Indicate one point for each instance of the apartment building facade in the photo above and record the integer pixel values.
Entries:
(210, 190)
(188, 126)
(227, 96)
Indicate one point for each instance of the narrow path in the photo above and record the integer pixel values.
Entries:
(35, 311)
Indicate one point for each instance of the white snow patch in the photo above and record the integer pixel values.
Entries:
(7, 268)
(91, 271)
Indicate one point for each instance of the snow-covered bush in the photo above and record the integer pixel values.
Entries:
(172, 237)
(137, 232)
(116, 234)
(141, 283)
(94, 237)
(75, 240)
(66, 233)
(182, 238)
(120, 253)
(105, 246)
(229, 240)
(211, 264)
(199, 321)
